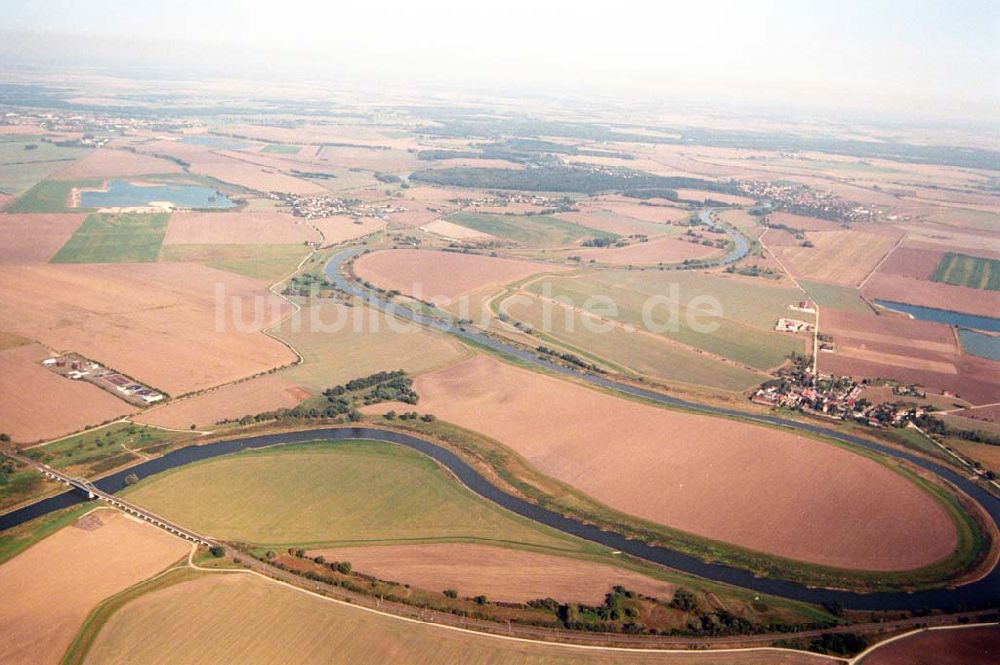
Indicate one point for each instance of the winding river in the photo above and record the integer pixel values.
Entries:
(982, 592)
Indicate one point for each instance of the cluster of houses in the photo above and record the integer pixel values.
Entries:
(840, 399)
(318, 207)
(502, 200)
(78, 368)
(91, 130)
(804, 200)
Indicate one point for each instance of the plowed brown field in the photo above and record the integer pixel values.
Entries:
(760, 488)
(978, 645)
(498, 573)
(157, 322)
(35, 238)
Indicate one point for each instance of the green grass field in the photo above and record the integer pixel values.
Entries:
(534, 230)
(972, 271)
(116, 238)
(334, 494)
(106, 448)
(282, 149)
(745, 330)
(836, 297)
(270, 262)
(25, 160)
(49, 196)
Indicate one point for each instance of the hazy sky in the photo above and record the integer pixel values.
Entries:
(879, 53)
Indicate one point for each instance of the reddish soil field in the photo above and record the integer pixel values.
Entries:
(36, 404)
(909, 350)
(977, 645)
(757, 487)
(342, 228)
(661, 250)
(51, 588)
(246, 398)
(910, 262)
(250, 228)
(498, 573)
(35, 238)
(921, 292)
(802, 222)
(987, 414)
(103, 163)
(441, 276)
(157, 322)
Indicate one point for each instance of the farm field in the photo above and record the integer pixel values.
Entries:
(237, 228)
(506, 575)
(265, 393)
(908, 350)
(115, 238)
(336, 493)
(531, 230)
(25, 160)
(658, 250)
(643, 353)
(702, 196)
(156, 322)
(843, 257)
(441, 277)
(754, 487)
(801, 222)
(38, 404)
(279, 149)
(35, 238)
(219, 616)
(105, 163)
(101, 554)
(898, 288)
(912, 262)
(973, 645)
(102, 449)
(453, 231)
(836, 297)
(972, 271)
(610, 222)
(265, 262)
(645, 212)
(49, 196)
(745, 328)
(338, 229)
(341, 343)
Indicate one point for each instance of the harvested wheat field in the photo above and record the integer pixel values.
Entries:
(908, 350)
(659, 214)
(440, 277)
(702, 196)
(51, 588)
(341, 343)
(752, 486)
(416, 214)
(37, 404)
(342, 228)
(603, 220)
(660, 250)
(224, 618)
(453, 231)
(103, 163)
(898, 288)
(161, 323)
(974, 645)
(238, 228)
(266, 393)
(801, 222)
(507, 575)
(838, 257)
(35, 238)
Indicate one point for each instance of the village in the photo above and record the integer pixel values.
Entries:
(319, 207)
(802, 200)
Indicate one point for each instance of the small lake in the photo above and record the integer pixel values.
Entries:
(976, 343)
(121, 193)
(219, 142)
